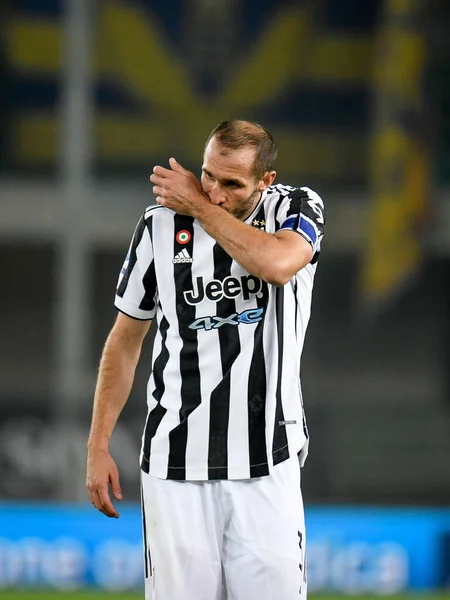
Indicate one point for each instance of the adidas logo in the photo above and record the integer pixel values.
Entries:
(182, 257)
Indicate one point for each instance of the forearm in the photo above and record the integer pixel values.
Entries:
(114, 383)
(251, 247)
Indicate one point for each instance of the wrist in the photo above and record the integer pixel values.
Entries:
(96, 445)
(206, 211)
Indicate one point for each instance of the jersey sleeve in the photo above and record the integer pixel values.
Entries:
(136, 293)
(302, 211)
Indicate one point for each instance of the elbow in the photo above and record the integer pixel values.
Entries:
(277, 275)
(278, 281)
(282, 271)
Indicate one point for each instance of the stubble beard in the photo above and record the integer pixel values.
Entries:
(242, 211)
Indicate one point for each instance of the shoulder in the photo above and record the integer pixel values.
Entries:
(146, 221)
(287, 203)
(280, 191)
(155, 211)
(311, 195)
(287, 199)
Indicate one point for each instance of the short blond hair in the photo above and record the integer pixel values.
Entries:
(237, 133)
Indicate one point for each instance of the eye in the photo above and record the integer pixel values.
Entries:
(232, 184)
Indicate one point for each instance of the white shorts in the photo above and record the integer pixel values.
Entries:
(234, 540)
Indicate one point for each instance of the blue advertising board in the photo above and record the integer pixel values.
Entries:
(349, 550)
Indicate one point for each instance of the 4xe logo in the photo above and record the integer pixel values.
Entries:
(230, 287)
(248, 317)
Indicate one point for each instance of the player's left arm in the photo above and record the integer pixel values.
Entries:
(275, 258)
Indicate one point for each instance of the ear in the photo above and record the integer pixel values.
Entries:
(267, 180)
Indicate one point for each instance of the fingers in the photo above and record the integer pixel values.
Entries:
(105, 504)
(95, 500)
(177, 167)
(91, 494)
(158, 190)
(115, 484)
(101, 471)
(159, 171)
(99, 497)
(159, 193)
(157, 180)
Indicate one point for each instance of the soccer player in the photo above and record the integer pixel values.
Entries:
(226, 267)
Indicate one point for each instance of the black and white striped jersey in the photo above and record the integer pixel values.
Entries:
(224, 395)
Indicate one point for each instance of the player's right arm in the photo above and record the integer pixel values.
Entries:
(136, 298)
(115, 379)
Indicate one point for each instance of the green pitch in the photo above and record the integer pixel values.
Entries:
(49, 595)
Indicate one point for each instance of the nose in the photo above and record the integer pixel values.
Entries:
(216, 195)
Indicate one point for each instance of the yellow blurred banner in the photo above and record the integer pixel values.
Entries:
(400, 176)
(157, 104)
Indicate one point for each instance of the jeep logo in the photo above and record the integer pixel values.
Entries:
(230, 287)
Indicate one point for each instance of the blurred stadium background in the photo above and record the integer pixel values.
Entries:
(93, 93)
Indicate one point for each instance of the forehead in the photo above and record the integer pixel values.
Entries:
(227, 163)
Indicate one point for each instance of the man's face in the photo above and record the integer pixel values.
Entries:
(228, 179)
